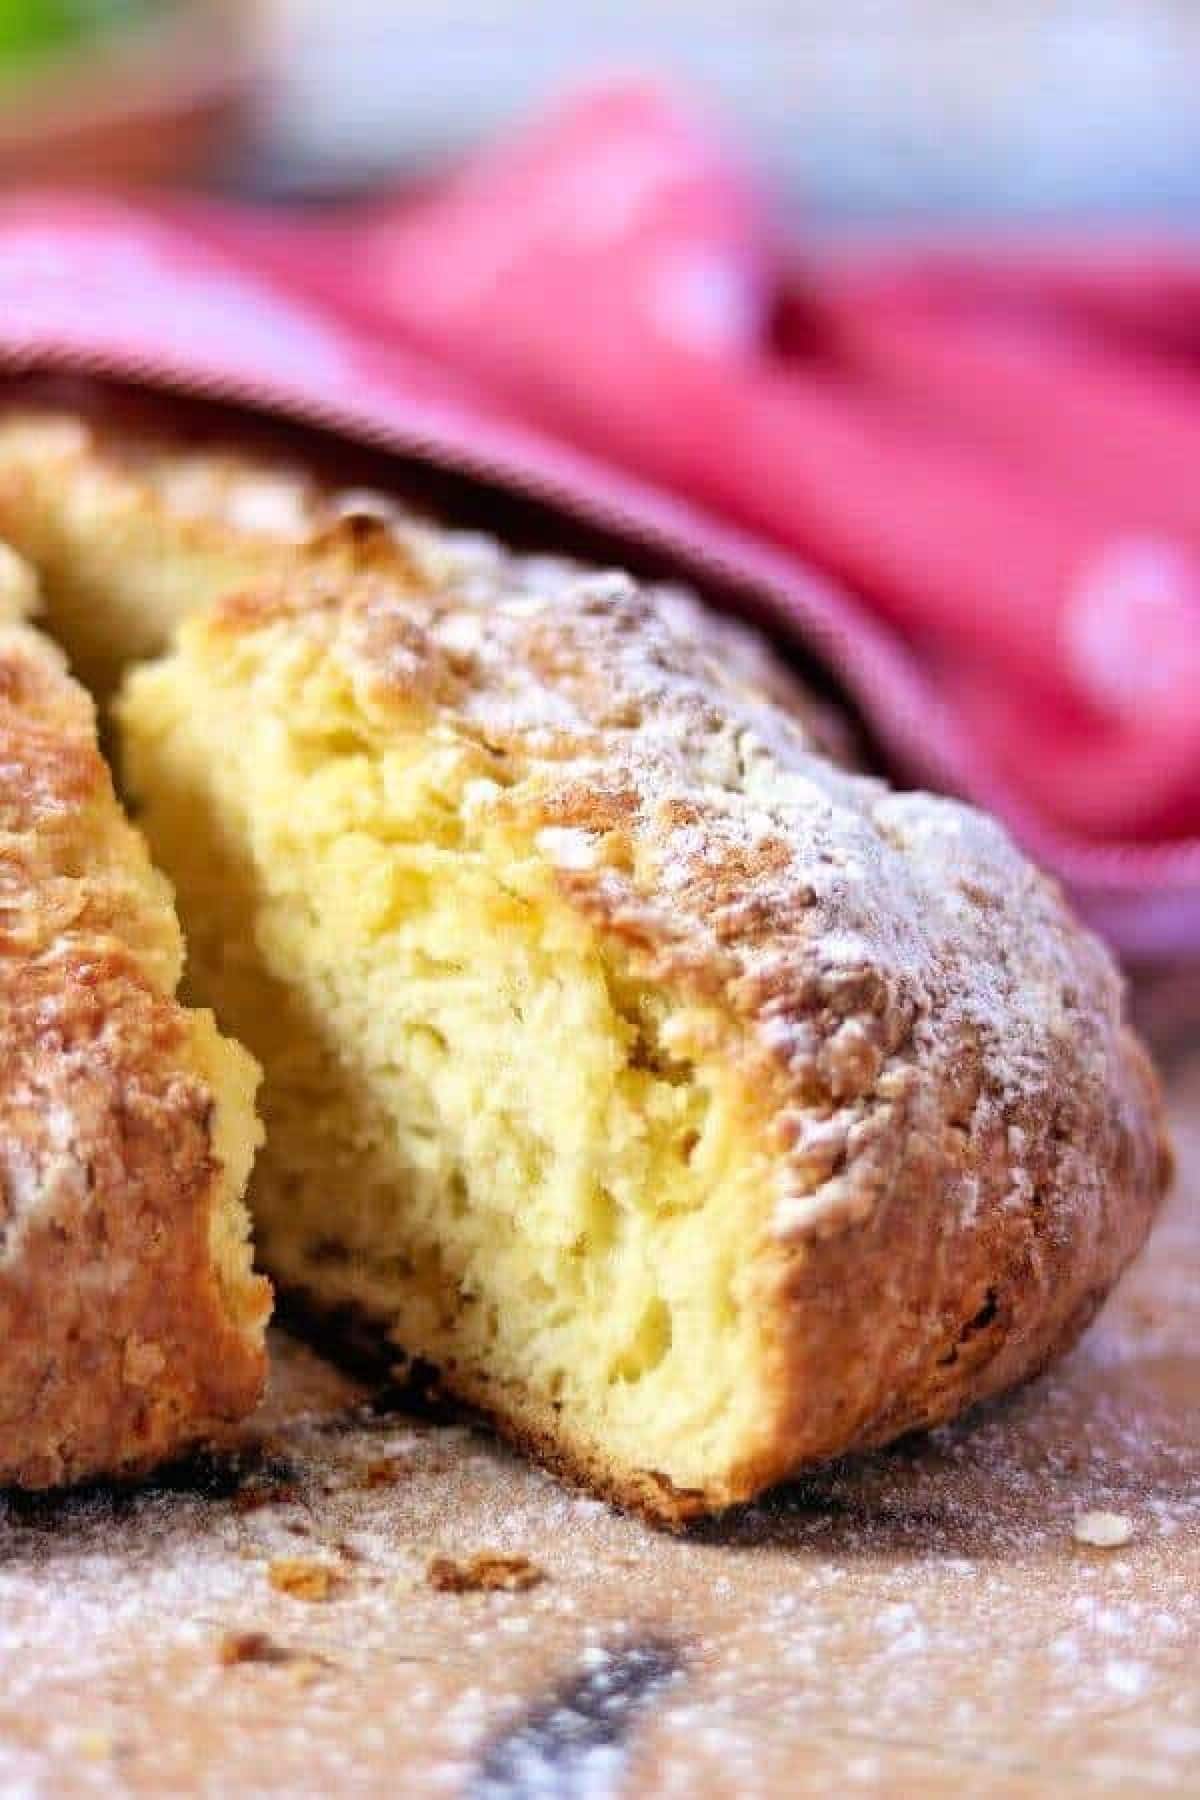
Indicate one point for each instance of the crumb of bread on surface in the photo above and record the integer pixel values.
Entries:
(304, 1578)
(237, 1647)
(96, 1746)
(486, 1572)
(251, 1647)
(1103, 1530)
(304, 1670)
(382, 1471)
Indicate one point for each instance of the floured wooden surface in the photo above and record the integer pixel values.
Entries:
(924, 1620)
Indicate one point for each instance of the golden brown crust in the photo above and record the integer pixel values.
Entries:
(118, 1346)
(969, 1139)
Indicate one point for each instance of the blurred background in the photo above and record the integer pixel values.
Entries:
(996, 457)
(901, 109)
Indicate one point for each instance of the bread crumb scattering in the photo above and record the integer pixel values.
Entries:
(488, 1571)
(383, 1471)
(302, 1666)
(252, 1647)
(304, 1578)
(95, 1746)
(304, 1670)
(1103, 1530)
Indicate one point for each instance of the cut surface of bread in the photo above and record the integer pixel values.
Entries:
(131, 1324)
(699, 1110)
(129, 536)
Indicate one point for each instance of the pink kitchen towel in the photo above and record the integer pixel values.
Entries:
(965, 476)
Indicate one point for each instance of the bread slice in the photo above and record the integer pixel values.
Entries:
(131, 1324)
(130, 533)
(699, 1110)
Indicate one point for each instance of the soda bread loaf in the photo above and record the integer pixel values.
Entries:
(700, 1110)
(131, 1324)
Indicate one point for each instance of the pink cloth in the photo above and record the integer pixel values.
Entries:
(967, 477)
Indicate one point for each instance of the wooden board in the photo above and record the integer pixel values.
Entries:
(918, 1622)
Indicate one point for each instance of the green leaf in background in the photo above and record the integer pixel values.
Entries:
(31, 30)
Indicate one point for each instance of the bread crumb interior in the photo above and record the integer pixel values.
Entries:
(480, 1131)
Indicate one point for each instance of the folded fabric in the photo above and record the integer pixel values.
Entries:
(987, 470)
(988, 451)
